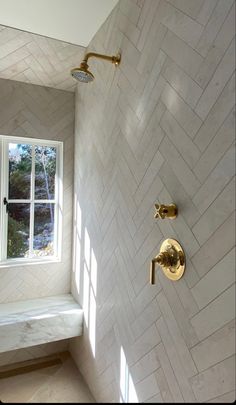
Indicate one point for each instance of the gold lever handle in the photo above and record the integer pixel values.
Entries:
(152, 272)
(171, 259)
(163, 259)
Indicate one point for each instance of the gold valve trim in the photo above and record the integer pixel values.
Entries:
(171, 259)
(166, 211)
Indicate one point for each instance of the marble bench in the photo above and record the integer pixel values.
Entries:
(37, 321)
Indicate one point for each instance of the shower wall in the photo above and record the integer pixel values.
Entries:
(40, 112)
(159, 128)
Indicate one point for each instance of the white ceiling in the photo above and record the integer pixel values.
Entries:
(74, 21)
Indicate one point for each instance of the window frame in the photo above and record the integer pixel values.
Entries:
(57, 201)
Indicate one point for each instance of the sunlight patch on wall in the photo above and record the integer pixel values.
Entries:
(86, 295)
(85, 269)
(87, 248)
(127, 389)
(78, 219)
(90, 290)
(92, 321)
(77, 262)
(94, 268)
(77, 243)
(93, 291)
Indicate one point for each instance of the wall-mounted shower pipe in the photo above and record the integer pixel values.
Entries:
(112, 59)
(82, 74)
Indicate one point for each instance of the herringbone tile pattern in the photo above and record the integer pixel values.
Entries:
(38, 112)
(35, 59)
(160, 128)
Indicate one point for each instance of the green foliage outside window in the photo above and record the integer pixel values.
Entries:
(16, 242)
(20, 170)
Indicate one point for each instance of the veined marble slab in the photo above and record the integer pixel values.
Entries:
(37, 321)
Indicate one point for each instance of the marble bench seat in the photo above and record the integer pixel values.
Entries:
(37, 321)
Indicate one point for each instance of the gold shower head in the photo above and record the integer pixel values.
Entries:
(82, 74)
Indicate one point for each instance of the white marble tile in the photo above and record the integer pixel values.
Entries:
(184, 27)
(174, 330)
(211, 252)
(215, 315)
(185, 116)
(187, 88)
(168, 373)
(221, 76)
(229, 397)
(190, 7)
(215, 348)
(180, 139)
(217, 50)
(216, 181)
(147, 388)
(179, 167)
(216, 149)
(218, 279)
(164, 388)
(215, 381)
(216, 20)
(175, 362)
(145, 366)
(206, 11)
(182, 54)
(216, 213)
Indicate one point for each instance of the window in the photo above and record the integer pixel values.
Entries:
(31, 199)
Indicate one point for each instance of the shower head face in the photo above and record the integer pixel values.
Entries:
(82, 74)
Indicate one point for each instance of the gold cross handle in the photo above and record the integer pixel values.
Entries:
(166, 211)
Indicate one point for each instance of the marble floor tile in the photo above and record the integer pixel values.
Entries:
(62, 383)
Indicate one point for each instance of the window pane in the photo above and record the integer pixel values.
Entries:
(19, 170)
(18, 230)
(45, 170)
(43, 230)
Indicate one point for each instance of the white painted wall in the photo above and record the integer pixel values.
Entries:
(74, 21)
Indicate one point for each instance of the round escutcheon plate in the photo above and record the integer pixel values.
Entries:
(176, 272)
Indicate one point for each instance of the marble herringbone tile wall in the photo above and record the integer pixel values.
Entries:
(32, 58)
(159, 128)
(40, 112)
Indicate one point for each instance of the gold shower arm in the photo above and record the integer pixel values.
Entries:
(112, 59)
